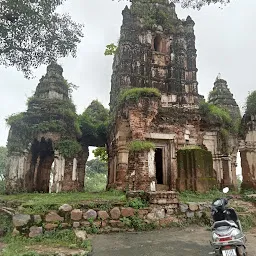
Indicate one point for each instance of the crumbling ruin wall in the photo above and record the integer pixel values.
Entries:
(248, 152)
(44, 152)
(195, 170)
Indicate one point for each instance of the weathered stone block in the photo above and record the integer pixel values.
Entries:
(66, 208)
(76, 214)
(35, 231)
(21, 220)
(50, 226)
(103, 215)
(116, 223)
(142, 213)
(81, 234)
(183, 207)
(85, 223)
(127, 212)
(193, 206)
(90, 214)
(76, 224)
(190, 214)
(115, 213)
(53, 217)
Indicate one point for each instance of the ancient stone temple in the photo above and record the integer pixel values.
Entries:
(154, 104)
(44, 152)
(225, 158)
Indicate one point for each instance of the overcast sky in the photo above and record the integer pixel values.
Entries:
(225, 42)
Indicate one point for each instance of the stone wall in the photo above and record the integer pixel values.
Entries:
(115, 219)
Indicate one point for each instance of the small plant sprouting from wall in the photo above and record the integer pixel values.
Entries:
(139, 145)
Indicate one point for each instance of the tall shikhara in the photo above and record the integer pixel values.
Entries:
(156, 49)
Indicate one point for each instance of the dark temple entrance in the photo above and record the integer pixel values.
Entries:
(159, 165)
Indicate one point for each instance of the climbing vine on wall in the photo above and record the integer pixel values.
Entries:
(140, 145)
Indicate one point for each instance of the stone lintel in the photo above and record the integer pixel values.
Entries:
(160, 136)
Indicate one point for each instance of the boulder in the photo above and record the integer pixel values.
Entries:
(76, 214)
(81, 234)
(90, 214)
(65, 208)
(35, 231)
(53, 217)
(127, 212)
(21, 220)
(115, 213)
(103, 215)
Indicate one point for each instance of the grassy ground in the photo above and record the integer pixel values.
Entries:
(48, 244)
(38, 203)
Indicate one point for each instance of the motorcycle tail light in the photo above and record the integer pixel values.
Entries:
(224, 239)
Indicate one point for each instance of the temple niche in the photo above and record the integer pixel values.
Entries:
(156, 52)
(44, 149)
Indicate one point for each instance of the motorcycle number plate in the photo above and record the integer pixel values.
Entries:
(231, 252)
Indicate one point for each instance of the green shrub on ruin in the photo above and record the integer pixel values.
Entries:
(135, 94)
(139, 145)
(68, 148)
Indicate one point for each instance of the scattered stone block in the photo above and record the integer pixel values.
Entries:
(116, 223)
(190, 214)
(81, 234)
(127, 212)
(193, 207)
(53, 217)
(35, 231)
(76, 214)
(50, 226)
(103, 215)
(183, 207)
(66, 208)
(90, 214)
(76, 224)
(115, 213)
(21, 220)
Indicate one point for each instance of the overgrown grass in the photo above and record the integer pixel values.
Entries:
(34, 203)
(21, 246)
(139, 145)
(190, 196)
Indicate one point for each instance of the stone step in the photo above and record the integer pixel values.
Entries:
(161, 187)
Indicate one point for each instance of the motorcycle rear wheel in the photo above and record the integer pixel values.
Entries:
(241, 251)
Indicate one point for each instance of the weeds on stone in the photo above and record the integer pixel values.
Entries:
(137, 203)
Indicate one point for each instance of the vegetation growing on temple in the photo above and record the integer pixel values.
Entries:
(141, 145)
(135, 94)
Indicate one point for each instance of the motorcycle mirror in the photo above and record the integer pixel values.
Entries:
(225, 190)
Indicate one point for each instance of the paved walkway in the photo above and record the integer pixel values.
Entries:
(192, 241)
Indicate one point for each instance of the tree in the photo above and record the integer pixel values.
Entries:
(189, 3)
(101, 153)
(94, 124)
(32, 33)
(96, 166)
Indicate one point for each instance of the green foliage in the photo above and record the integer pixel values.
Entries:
(137, 223)
(110, 49)
(37, 34)
(135, 94)
(68, 148)
(96, 165)
(94, 124)
(137, 203)
(250, 108)
(191, 196)
(101, 152)
(14, 118)
(3, 159)
(139, 145)
(95, 182)
(22, 246)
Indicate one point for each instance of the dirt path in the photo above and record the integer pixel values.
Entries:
(174, 242)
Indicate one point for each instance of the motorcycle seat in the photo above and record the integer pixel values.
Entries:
(224, 223)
